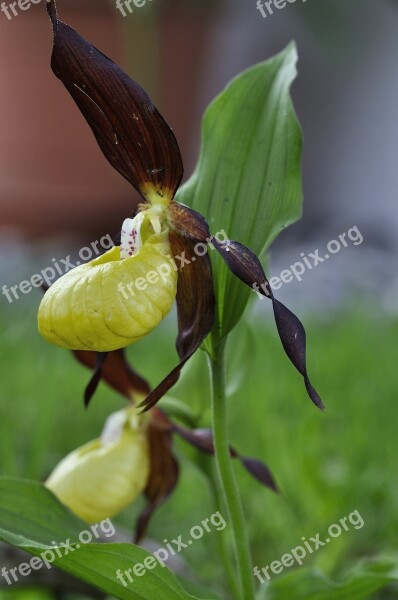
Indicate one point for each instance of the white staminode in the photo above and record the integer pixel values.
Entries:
(131, 241)
(132, 229)
(116, 423)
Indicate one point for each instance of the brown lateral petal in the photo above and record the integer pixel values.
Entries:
(203, 440)
(164, 471)
(259, 471)
(115, 370)
(95, 378)
(294, 340)
(195, 306)
(129, 130)
(246, 266)
(189, 223)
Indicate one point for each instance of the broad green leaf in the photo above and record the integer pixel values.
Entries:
(309, 584)
(31, 518)
(199, 590)
(247, 181)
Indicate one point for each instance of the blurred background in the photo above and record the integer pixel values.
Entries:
(58, 193)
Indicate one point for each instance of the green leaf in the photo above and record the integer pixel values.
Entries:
(199, 590)
(309, 584)
(248, 180)
(31, 518)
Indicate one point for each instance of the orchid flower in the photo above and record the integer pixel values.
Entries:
(85, 309)
(133, 455)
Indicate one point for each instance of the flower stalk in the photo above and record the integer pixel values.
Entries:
(226, 474)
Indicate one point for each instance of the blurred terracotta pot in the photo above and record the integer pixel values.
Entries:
(53, 177)
(52, 174)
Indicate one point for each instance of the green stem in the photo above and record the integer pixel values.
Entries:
(224, 551)
(226, 475)
(223, 539)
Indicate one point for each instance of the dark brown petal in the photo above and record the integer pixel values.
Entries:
(294, 341)
(203, 440)
(189, 223)
(259, 471)
(164, 473)
(129, 130)
(246, 266)
(96, 377)
(195, 306)
(115, 370)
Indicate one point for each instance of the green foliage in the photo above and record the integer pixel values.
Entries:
(31, 518)
(248, 180)
(310, 584)
(325, 465)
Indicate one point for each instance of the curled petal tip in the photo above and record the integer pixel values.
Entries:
(245, 265)
(313, 394)
(203, 440)
(95, 379)
(141, 408)
(52, 11)
(260, 472)
(116, 372)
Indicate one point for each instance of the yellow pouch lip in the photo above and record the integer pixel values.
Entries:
(97, 481)
(113, 255)
(84, 309)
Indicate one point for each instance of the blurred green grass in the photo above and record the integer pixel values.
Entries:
(326, 465)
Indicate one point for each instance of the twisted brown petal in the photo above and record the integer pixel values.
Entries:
(115, 370)
(91, 388)
(189, 223)
(203, 440)
(195, 306)
(164, 473)
(246, 266)
(129, 130)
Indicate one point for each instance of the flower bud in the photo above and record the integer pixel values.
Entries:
(101, 478)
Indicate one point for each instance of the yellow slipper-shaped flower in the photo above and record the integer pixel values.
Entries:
(118, 298)
(84, 310)
(102, 477)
